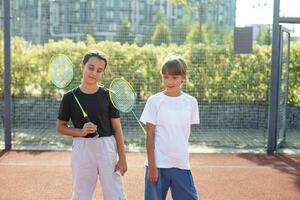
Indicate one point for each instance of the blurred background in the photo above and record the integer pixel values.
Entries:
(232, 87)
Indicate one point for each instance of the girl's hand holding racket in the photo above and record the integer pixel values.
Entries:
(88, 128)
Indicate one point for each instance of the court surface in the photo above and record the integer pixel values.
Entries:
(46, 175)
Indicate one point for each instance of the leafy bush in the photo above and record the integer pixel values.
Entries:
(215, 74)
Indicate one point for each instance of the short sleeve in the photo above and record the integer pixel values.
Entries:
(113, 112)
(149, 113)
(195, 113)
(64, 108)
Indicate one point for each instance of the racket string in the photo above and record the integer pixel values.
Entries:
(123, 96)
(61, 71)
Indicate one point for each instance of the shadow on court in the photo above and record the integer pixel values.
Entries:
(289, 165)
(2, 152)
(47, 175)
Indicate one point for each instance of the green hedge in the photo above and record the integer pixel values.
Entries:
(215, 73)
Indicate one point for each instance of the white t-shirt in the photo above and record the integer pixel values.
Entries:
(172, 117)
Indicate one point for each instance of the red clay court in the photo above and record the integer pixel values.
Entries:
(46, 175)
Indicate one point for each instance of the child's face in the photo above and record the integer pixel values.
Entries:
(172, 84)
(92, 71)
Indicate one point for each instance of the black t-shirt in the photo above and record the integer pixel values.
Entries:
(97, 106)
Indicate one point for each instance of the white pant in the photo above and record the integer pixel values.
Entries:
(90, 158)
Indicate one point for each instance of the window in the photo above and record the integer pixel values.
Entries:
(109, 14)
(54, 13)
(110, 4)
(83, 12)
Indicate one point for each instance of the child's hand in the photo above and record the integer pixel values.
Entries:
(88, 128)
(121, 166)
(152, 173)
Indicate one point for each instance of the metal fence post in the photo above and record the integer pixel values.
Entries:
(7, 76)
(273, 98)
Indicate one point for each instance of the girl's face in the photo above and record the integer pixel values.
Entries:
(172, 84)
(92, 71)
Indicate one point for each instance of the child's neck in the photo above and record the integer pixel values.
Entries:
(88, 89)
(173, 94)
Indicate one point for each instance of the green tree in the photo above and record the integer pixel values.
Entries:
(161, 34)
(196, 5)
(194, 36)
(224, 36)
(124, 34)
(147, 33)
(192, 5)
(183, 3)
(264, 36)
(149, 30)
(179, 32)
(90, 40)
(214, 35)
(160, 17)
(209, 33)
(1, 33)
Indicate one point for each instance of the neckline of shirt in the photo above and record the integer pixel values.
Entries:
(88, 93)
(172, 97)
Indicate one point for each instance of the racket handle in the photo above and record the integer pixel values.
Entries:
(86, 120)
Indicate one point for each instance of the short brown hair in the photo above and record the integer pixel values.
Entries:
(174, 65)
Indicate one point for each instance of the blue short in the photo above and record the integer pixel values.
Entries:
(178, 180)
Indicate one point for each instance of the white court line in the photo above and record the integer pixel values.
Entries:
(142, 166)
(32, 164)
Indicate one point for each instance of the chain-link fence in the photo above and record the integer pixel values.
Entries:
(232, 89)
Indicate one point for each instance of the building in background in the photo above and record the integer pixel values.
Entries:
(40, 20)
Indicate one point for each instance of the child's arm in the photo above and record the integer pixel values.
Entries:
(121, 164)
(63, 128)
(152, 168)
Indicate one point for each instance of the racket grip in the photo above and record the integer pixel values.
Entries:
(86, 120)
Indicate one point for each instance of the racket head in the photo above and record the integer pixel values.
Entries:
(61, 71)
(122, 95)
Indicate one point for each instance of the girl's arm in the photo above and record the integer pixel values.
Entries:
(63, 128)
(122, 163)
(152, 168)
